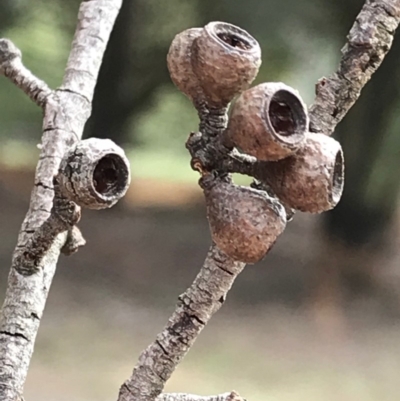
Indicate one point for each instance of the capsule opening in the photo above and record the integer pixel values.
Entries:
(110, 176)
(233, 36)
(337, 178)
(234, 40)
(287, 116)
(281, 117)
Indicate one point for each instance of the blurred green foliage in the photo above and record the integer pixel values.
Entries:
(43, 30)
(136, 104)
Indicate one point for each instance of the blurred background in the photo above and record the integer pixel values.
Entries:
(319, 318)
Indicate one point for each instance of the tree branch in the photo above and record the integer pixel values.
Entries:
(11, 66)
(368, 42)
(43, 235)
(232, 396)
(66, 112)
(195, 308)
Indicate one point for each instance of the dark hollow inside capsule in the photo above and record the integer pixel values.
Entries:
(338, 177)
(287, 114)
(234, 40)
(110, 176)
(234, 36)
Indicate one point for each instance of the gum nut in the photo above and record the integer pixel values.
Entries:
(226, 60)
(268, 121)
(180, 64)
(94, 173)
(244, 222)
(312, 179)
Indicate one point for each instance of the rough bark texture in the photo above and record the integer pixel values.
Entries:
(11, 66)
(66, 111)
(371, 36)
(368, 42)
(195, 308)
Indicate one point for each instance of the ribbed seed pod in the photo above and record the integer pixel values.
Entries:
(268, 121)
(312, 179)
(226, 60)
(94, 173)
(180, 64)
(244, 222)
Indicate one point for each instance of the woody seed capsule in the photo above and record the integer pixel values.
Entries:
(94, 173)
(226, 60)
(244, 222)
(312, 179)
(179, 63)
(268, 121)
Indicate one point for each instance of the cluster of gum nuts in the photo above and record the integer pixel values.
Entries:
(269, 122)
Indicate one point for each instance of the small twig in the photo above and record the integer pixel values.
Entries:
(232, 396)
(11, 66)
(74, 241)
(368, 42)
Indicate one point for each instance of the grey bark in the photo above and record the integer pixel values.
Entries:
(65, 113)
(195, 308)
(368, 42)
(232, 396)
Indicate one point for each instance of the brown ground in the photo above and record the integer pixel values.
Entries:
(110, 300)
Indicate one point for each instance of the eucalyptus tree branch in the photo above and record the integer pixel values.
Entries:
(65, 113)
(195, 308)
(11, 66)
(368, 42)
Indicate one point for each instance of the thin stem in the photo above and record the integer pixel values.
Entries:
(11, 66)
(195, 308)
(368, 42)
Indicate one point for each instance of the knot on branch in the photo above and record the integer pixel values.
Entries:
(265, 137)
(67, 212)
(74, 241)
(8, 52)
(94, 173)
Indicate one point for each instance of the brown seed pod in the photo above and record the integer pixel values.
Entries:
(312, 179)
(268, 121)
(94, 173)
(180, 64)
(226, 60)
(244, 222)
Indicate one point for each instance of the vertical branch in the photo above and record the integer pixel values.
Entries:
(65, 113)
